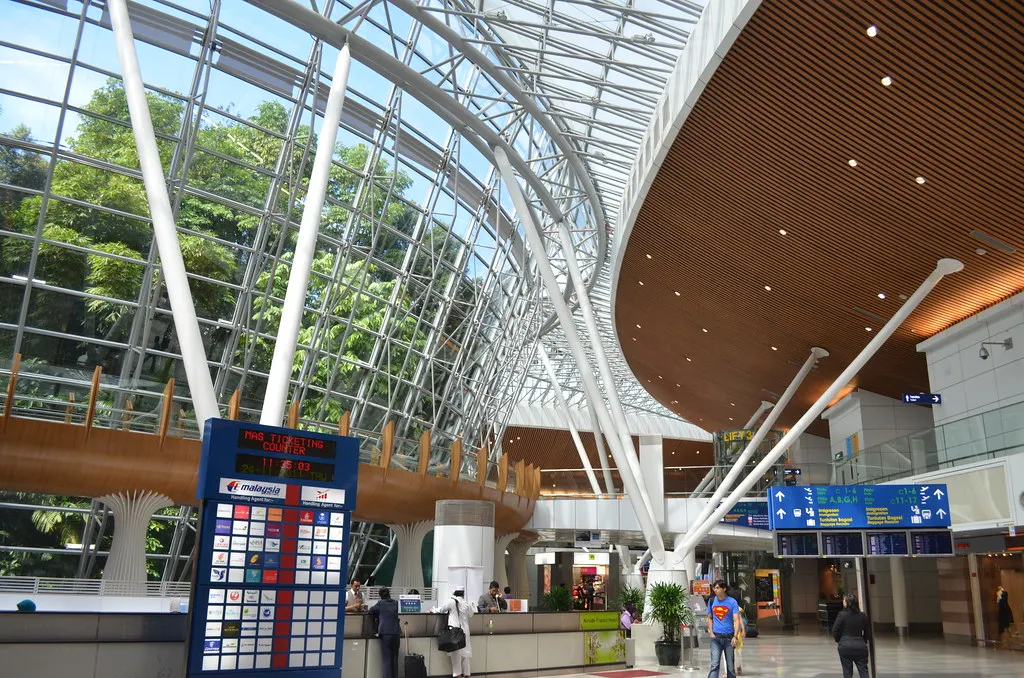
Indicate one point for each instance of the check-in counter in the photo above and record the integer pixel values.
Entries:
(521, 644)
(128, 645)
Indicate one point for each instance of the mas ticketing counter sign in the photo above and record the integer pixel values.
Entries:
(858, 507)
(269, 593)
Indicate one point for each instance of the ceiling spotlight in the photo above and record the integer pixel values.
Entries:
(774, 348)
(868, 329)
(659, 376)
(881, 295)
(903, 297)
(733, 404)
(730, 418)
(920, 180)
(649, 256)
(767, 288)
(688, 360)
(981, 251)
(782, 231)
(872, 31)
(677, 385)
(678, 295)
(638, 326)
(886, 81)
(704, 330)
(634, 338)
(851, 162)
(641, 283)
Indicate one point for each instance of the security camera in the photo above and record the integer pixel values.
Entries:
(983, 353)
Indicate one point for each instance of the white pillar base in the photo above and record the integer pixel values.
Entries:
(668, 571)
(501, 545)
(519, 580)
(899, 596)
(132, 513)
(409, 568)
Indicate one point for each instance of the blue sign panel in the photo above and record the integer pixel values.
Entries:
(273, 548)
(923, 398)
(858, 507)
(753, 514)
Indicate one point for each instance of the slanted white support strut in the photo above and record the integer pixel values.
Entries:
(634, 490)
(557, 389)
(943, 268)
(741, 462)
(602, 454)
(279, 380)
(709, 479)
(186, 327)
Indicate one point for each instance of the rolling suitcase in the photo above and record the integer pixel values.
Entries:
(415, 665)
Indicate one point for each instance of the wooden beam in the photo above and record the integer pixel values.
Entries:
(424, 460)
(481, 465)
(293, 415)
(387, 443)
(503, 473)
(520, 476)
(94, 394)
(126, 418)
(165, 410)
(536, 482)
(70, 408)
(455, 464)
(343, 424)
(234, 404)
(12, 385)
(181, 423)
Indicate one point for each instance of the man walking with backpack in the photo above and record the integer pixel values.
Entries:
(725, 628)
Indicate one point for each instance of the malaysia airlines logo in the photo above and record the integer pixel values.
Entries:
(250, 488)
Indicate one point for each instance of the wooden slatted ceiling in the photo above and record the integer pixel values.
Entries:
(767, 148)
(555, 449)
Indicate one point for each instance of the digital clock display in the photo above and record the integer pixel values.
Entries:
(299, 469)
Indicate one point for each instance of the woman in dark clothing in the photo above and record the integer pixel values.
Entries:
(1005, 613)
(852, 630)
(385, 613)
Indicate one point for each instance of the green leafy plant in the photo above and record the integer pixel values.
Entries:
(631, 597)
(667, 608)
(558, 600)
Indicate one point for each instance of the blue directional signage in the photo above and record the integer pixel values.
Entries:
(858, 507)
(753, 514)
(923, 398)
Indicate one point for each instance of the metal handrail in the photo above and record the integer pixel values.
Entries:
(94, 587)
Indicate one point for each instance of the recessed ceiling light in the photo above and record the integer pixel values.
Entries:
(638, 326)
(881, 295)
(920, 180)
(677, 385)
(868, 329)
(704, 330)
(641, 283)
(659, 376)
(981, 251)
(733, 404)
(730, 418)
(698, 451)
(774, 348)
(700, 418)
(634, 338)
(678, 295)
(903, 297)
(886, 81)
(782, 231)
(767, 288)
(872, 31)
(851, 162)
(649, 256)
(688, 360)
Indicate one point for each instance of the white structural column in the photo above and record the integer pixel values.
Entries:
(519, 578)
(132, 513)
(635, 492)
(602, 454)
(409, 566)
(501, 545)
(652, 469)
(943, 268)
(560, 398)
(740, 465)
(186, 327)
(899, 596)
(279, 379)
(463, 547)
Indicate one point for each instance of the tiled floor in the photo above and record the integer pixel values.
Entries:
(810, 656)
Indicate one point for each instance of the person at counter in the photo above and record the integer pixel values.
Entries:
(459, 610)
(491, 601)
(354, 600)
(385, 612)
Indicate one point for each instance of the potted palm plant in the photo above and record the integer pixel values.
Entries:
(631, 598)
(668, 608)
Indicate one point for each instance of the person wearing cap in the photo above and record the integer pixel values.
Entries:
(26, 606)
(459, 610)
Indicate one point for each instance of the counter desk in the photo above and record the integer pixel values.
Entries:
(150, 645)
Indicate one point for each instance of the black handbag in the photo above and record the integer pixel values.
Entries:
(452, 638)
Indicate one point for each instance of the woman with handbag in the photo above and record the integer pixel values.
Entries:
(455, 638)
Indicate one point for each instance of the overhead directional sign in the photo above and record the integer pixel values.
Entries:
(748, 514)
(923, 398)
(858, 507)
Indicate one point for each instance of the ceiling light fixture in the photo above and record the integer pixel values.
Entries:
(851, 162)
(659, 376)
(641, 283)
(638, 326)
(704, 330)
(872, 31)
(903, 297)
(881, 295)
(774, 348)
(920, 180)
(886, 81)
(868, 329)
(767, 288)
(782, 231)
(688, 360)
(980, 251)
(678, 295)
(730, 418)
(649, 256)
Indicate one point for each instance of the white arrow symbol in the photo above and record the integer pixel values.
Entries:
(779, 495)
(941, 513)
(782, 513)
(935, 398)
(938, 494)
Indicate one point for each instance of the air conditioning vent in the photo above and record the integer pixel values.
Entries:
(458, 512)
(992, 242)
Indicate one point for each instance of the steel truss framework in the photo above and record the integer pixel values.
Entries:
(425, 305)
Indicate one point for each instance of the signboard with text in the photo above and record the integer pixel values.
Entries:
(858, 507)
(269, 592)
(923, 398)
(863, 543)
(753, 514)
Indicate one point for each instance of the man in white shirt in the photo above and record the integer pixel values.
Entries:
(354, 601)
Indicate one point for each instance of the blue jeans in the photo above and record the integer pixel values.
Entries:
(719, 646)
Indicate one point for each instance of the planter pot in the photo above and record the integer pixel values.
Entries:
(667, 653)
